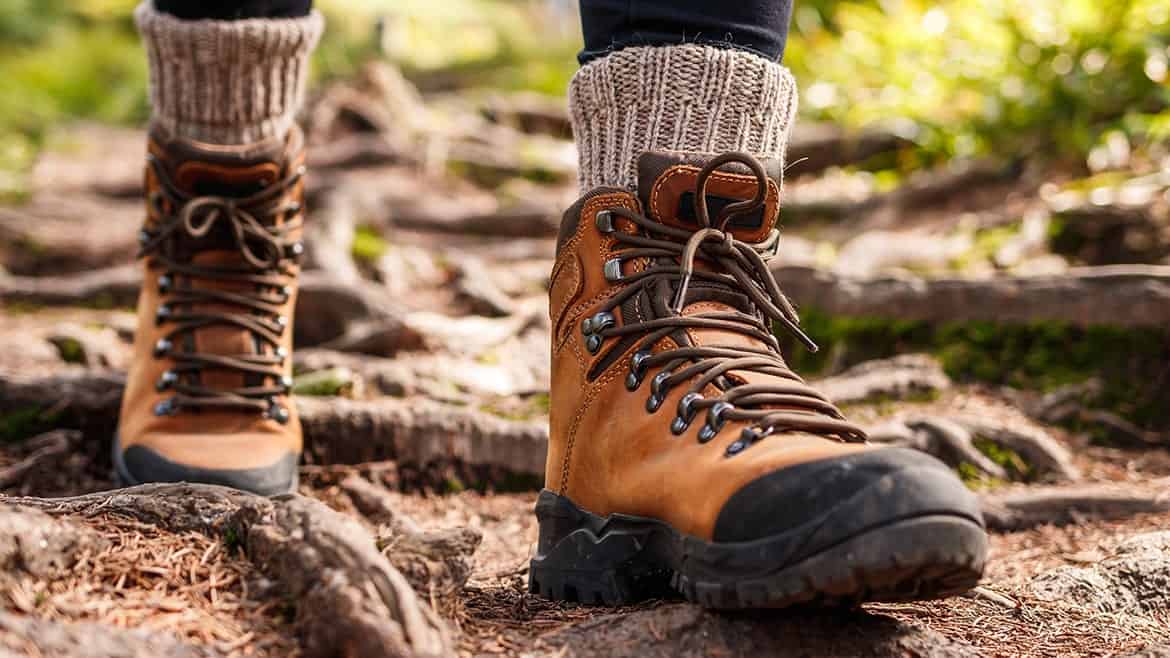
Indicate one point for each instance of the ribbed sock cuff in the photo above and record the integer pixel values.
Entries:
(227, 82)
(676, 98)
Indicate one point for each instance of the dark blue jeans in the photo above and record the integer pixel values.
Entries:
(226, 10)
(758, 26)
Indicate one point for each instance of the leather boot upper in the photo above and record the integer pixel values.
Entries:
(209, 388)
(669, 419)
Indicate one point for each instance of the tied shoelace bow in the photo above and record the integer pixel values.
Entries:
(260, 286)
(785, 403)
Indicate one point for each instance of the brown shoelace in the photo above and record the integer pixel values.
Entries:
(267, 256)
(738, 269)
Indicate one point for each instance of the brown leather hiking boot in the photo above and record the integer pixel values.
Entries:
(207, 397)
(684, 452)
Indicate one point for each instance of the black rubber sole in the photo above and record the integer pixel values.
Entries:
(620, 559)
(280, 478)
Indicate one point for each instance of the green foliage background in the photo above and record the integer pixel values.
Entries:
(1050, 78)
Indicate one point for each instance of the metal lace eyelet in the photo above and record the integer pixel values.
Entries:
(653, 403)
(592, 327)
(282, 322)
(604, 221)
(686, 413)
(287, 291)
(297, 249)
(277, 412)
(613, 270)
(162, 347)
(637, 369)
(294, 207)
(166, 407)
(593, 343)
(714, 421)
(281, 353)
(165, 282)
(287, 382)
(656, 383)
(736, 447)
(143, 237)
(166, 381)
(162, 314)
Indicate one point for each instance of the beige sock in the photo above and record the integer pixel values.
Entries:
(676, 98)
(227, 82)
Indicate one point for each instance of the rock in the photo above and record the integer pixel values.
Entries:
(34, 543)
(1135, 579)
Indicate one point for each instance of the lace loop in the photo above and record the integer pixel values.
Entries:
(733, 270)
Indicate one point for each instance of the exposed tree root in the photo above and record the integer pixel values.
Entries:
(337, 430)
(351, 601)
(21, 637)
(1035, 506)
(437, 563)
(418, 431)
(50, 447)
(898, 378)
(953, 440)
(1119, 296)
(816, 147)
(326, 306)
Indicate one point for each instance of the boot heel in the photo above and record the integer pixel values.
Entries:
(584, 558)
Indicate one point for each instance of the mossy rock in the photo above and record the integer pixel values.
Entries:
(1041, 356)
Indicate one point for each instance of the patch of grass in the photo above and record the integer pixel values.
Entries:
(368, 245)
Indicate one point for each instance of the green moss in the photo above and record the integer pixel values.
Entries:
(1015, 465)
(19, 424)
(70, 350)
(231, 539)
(368, 245)
(528, 408)
(1130, 363)
(324, 383)
(975, 478)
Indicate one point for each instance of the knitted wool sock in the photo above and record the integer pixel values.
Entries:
(226, 82)
(676, 98)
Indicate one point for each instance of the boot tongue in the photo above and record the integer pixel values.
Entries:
(231, 171)
(667, 182)
(666, 187)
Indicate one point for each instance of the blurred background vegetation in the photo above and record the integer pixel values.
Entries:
(1082, 82)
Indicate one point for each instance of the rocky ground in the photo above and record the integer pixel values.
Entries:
(423, 385)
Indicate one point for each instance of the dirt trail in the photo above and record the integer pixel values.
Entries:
(423, 381)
